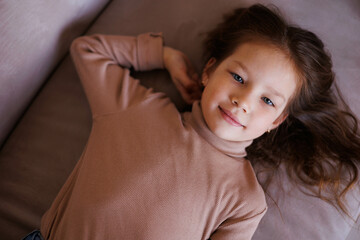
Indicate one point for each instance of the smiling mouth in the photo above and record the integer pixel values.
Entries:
(230, 118)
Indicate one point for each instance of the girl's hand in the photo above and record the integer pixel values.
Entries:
(182, 74)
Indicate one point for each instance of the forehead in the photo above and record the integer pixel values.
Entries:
(262, 53)
(264, 63)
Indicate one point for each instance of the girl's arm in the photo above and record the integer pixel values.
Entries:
(239, 227)
(103, 62)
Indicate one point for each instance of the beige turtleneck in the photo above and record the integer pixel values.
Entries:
(148, 171)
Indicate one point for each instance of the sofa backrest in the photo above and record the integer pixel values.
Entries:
(35, 36)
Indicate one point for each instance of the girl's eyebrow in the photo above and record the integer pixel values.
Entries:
(242, 66)
(276, 93)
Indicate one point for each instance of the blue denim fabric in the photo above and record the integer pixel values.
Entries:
(35, 235)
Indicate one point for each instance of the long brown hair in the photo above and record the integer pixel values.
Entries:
(319, 141)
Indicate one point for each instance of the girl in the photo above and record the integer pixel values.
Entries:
(150, 172)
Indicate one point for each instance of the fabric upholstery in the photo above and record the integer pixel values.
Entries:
(35, 35)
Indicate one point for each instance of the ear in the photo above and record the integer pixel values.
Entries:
(206, 71)
(279, 120)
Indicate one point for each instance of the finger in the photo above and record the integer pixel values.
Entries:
(183, 92)
(185, 80)
(195, 76)
(190, 95)
(187, 97)
(191, 70)
(196, 95)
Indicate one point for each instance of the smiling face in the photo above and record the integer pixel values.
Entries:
(246, 94)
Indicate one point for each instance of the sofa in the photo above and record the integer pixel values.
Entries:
(46, 120)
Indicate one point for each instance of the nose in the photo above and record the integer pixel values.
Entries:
(240, 104)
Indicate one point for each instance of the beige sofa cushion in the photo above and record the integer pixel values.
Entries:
(35, 36)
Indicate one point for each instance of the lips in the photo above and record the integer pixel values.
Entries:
(230, 118)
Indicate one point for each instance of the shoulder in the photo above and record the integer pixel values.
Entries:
(254, 199)
(249, 181)
(248, 194)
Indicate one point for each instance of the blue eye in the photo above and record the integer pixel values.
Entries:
(237, 78)
(268, 101)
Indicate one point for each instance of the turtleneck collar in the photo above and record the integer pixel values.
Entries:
(231, 148)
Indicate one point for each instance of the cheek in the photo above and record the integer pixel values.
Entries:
(210, 94)
(264, 117)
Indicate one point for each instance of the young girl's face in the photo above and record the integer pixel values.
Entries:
(246, 94)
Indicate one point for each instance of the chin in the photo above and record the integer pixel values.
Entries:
(228, 137)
